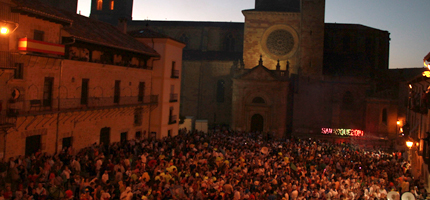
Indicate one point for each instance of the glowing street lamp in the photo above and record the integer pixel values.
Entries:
(409, 144)
(398, 128)
(4, 30)
(7, 27)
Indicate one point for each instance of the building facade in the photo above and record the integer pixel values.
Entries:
(73, 81)
(166, 81)
(415, 125)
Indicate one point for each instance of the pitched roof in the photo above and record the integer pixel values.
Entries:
(261, 68)
(83, 28)
(249, 71)
(147, 33)
(97, 32)
(34, 7)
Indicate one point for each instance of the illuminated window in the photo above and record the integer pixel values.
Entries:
(99, 4)
(112, 3)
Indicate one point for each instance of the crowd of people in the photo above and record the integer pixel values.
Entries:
(217, 166)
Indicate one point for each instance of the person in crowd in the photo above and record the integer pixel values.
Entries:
(219, 165)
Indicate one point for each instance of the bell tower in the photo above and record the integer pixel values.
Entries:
(278, 5)
(286, 30)
(112, 11)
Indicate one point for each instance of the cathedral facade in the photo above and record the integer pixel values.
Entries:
(284, 70)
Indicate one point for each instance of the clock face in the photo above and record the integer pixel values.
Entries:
(280, 42)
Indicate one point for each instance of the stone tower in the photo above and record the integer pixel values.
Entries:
(114, 12)
(286, 33)
(285, 30)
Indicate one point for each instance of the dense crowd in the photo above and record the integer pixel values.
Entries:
(221, 165)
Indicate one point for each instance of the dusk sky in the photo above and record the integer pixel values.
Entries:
(407, 21)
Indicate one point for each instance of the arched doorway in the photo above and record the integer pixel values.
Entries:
(257, 123)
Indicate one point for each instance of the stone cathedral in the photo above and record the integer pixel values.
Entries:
(284, 70)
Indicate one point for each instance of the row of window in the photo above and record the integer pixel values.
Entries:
(34, 143)
(49, 83)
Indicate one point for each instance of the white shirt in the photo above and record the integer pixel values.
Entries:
(67, 173)
(105, 177)
(105, 195)
(99, 164)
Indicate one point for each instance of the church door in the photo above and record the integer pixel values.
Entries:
(257, 123)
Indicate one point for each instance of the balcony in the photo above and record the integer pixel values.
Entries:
(172, 119)
(7, 122)
(39, 106)
(175, 74)
(173, 98)
(122, 64)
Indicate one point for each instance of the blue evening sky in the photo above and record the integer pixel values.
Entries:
(407, 21)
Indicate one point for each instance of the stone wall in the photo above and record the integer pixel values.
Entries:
(199, 90)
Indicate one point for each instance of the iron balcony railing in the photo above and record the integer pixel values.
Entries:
(172, 119)
(6, 121)
(124, 64)
(175, 74)
(39, 105)
(173, 98)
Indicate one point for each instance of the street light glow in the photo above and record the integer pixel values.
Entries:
(409, 144)
(4, 30)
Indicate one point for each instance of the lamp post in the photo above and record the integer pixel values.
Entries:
(397, 126)
(409, 144)
(7, 27)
